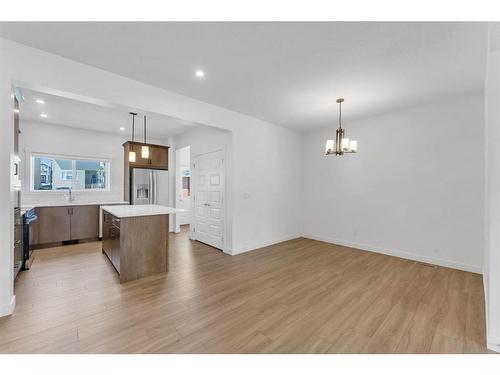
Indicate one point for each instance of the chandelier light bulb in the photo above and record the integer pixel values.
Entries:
(342, 144)
(345, 144)
(330, 145)
(353, 146)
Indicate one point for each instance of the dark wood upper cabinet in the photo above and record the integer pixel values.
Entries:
(158, 156)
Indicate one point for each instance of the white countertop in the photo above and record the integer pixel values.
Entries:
(26, 207)
(140, 210)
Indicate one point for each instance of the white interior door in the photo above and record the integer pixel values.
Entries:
(208, 175)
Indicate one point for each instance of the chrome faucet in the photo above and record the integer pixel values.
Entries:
(70, 195)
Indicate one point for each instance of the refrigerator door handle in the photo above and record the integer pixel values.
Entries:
(154, 193)
(151, 188)
(133, 187)
(155, 187)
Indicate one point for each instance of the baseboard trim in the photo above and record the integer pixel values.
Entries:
(8, 309)
(246, 248)
(486, 297)
(493, 343)
(397, 253)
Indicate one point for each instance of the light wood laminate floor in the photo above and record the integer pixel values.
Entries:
(300, 296)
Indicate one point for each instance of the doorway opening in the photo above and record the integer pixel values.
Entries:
(183, 185)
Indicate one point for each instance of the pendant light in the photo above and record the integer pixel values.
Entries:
(145, 148)
(131, 154)
(341, 145)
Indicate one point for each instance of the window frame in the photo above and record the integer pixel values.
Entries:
(74, 159)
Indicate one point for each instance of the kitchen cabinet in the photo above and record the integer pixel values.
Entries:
(84, 222)
(106, 225)
(66, 223)
(158, 156)
(111, 239)
(136, 245)
(54, 224)
(115, 240)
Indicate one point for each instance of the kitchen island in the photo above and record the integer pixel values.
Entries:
(135, 239)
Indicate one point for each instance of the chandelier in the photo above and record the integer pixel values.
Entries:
(341, 145)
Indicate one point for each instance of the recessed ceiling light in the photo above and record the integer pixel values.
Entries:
(40, 101)
(44, 115)
(122, 128)
(200, 73)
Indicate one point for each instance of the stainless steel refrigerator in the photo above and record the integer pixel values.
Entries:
(149, 186)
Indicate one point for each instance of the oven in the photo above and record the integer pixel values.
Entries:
(29, 218)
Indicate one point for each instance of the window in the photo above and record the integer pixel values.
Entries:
(54, 173)
(90, 174)
(66, 175)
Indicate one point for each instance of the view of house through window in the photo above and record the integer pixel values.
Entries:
(51, 173)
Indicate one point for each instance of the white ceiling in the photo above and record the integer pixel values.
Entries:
(285, 73)
(79, 114)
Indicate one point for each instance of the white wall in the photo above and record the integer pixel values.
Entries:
(265, 172)
(7, 298)
(492, 201)
(184, 158)
(54, 139)
(62, 140)
(415, 189)
(266, 188)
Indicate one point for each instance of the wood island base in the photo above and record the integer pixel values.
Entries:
(136, 246)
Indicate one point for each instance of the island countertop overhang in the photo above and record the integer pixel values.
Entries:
(124, 211)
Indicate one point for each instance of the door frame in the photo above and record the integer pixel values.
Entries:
(177, 181)
(192, 234)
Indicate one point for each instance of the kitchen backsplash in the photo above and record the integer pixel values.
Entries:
(78, 196)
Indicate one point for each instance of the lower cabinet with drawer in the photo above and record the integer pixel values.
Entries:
(66, 223)
(111, 239)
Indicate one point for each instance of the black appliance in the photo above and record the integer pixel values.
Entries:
(18, 241)
(28, 218)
